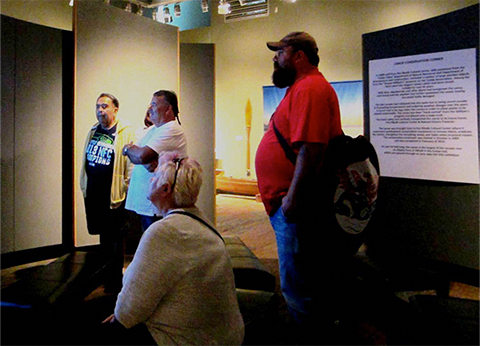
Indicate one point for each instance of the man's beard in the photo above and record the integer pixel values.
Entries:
(283, 76)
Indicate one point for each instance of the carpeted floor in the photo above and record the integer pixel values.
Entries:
(380, 320)
(245, 218)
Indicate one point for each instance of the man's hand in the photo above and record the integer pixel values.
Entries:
(289, 208)
(125, 148)
(139, 155)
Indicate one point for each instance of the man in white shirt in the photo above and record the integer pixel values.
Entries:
(165, 135)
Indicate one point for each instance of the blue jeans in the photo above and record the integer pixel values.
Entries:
(316, 278)
(295, 269)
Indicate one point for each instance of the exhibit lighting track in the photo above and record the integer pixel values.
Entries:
(156, 4)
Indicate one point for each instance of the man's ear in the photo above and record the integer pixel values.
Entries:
(170, 109)
(300, 55)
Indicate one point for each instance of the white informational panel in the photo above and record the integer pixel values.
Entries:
(423, 116)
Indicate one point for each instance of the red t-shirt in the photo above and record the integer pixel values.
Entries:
(309, 112)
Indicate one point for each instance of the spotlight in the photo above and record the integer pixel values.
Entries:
(223, 7)
(158, 15)
(177, 10)
(204, 6)
(167, 18)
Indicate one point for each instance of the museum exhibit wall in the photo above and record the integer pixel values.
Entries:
(31, 136)
(197, 114)
(162, 71)
(52, 13)
(128, 56)
(244, 64)
(425, 212)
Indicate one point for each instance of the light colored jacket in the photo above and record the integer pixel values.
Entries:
(122, 167)
(180, 284)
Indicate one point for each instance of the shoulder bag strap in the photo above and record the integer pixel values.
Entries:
(289, 153)
(198, 219)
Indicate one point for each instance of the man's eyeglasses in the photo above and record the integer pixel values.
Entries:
(177, 166)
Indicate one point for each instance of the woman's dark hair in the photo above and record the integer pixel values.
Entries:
(147, 120)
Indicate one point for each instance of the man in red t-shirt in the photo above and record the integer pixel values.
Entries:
(307, 118)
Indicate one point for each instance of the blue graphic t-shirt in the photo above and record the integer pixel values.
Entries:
(100, 156)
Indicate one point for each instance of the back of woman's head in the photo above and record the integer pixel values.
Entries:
(184, 174)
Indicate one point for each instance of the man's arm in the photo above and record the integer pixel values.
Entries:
(309, 159)
(139, 155)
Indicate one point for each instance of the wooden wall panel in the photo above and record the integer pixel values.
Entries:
(38, 139)
(31, 136)
(8, 133)
(197, 114)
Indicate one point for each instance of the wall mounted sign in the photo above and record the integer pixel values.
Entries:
(424, 116)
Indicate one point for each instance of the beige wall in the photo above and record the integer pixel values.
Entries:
(54, 13)
(139, 58)
(244, 64)
(31, 133)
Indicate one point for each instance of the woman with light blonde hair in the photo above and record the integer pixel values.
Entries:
(183, 177)
(180, 283)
